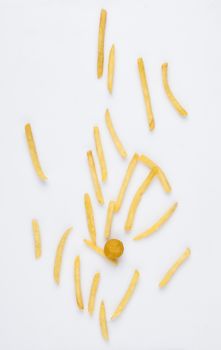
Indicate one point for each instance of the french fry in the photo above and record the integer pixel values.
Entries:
(37, 238)
(103, 321)
(33, 153)
(158, 224)
(127, 295)
(169, 93)
(93, 293)
(127, 177)
(90, 217)
(77, 282)
(137, 198)
(101, 35)
(94, 177)
(100, 153)
(111, 64)
(109, 218)
(114, 135)
(174, 268)
(98, 250)
(146, 93)
(59, 254)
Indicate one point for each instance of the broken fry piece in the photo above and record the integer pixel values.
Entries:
(98, 250)
(77, 282)
(37, 238)
(94, 177)
(100, 153)
(169, 93)
(146, 93)
(158, 224)
(101, 35)
(111, 64)
(114, 135)
(90, 217)
(33, 153)
(93, 293)
(109, 218)
(59, 254)
(103, 321)
(174, 268)
(127, 295)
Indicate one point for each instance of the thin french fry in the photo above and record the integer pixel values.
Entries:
(111, 64)
(137, 198)
(109, 218)
(174, 268)
(100, 153)
(146, 93)
(169, 93)
(158, 224)
(94, 177)
(59, 254)
(103, 321)
(127, 295)
(33, 153)
(37, 238)
(77, 282)
(114, 135)
(98, 250)
(101, 35)
(90, 217)
(127, 177)
(93, 293)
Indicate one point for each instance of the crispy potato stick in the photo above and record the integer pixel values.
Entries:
(127, 295)
(100, 153)
(90, 217)
(77, 282)
(93, 293)
(162, 177)
(174, 268)
(137, 198)
(127, 177)
(93, 171)
(158, 224)
(169, 93)
(101, 34)
(109, 218)
(111, 64)
(33, 153)
(103, 321)
(146, 93)
(98, 250)
(114, 135)
(37, 238)
(59, 253)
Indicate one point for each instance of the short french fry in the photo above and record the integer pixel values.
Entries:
(37, 238)
(100, 153)
(101, 35)
(59, 254)
(114, 135)
(90, 217)
(111, 64)
(93, 293)
(103, 321)
(77, 282)
(109, 218)
(98, 250)
(94, 177)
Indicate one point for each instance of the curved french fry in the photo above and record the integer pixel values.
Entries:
(98, 250)
(93, 293)
(100, 153)
(94, 177)
(111, 64)
(158, 224)
(33, 153)
(127, 295)
(37, 238)
(109, 218)
(101, 35)
(90, 217)
(103, 321)
(114, 135)
(169, 93)
(77, 282)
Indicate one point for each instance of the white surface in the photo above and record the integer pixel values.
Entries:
(48, 78)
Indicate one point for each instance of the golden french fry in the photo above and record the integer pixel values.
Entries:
(103, 321)
(98, 250)
(77, 282)
(93, 293)
(94, 177)
(59, 254)
(100, 153)
(109, 218)
(169, 93)
(146, 93)
(101, 35)
(33, 153)
(127, 295)
(90, 217)
(111, 64)
(37, 238)
(114, 135)
(158, 224)
(127, 177)
(174, 268)
(137, 198)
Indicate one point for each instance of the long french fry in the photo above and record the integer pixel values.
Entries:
(103, 321)
(96, 184)
(77, 282)
(174, 268)
(101, 35)
(137, 198)
(98, 250)
(93, 293)
(114, 135)
(37, 238)
(100, 153)
(146, 93)
(169, 93)
(127, 295)
(33, 153)
(90, 217)
(109, 218)
(158, 224)
(59, 254)
(111, 64)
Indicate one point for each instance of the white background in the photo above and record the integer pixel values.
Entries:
(48, 78)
